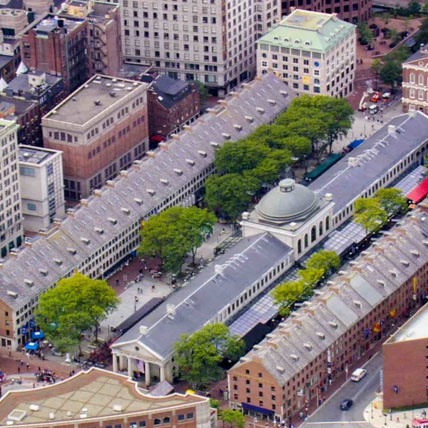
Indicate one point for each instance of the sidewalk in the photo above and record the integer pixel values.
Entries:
(379, 419)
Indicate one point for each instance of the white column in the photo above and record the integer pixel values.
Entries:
(121, 362)
(130, 367)
(162, 373)
(115, 363)
(147, 371)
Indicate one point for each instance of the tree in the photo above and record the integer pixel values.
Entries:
(75, 305)
(370, 214)
(414, 7)
(203, 91)
(426, 164)
(366, 35)
(271, 135)
(400, 54)
(391, 200)
(237, 157)
(199, 355)
(395, 36)
(327, 261)
(421, 36)
(299, 146)
(234, 418)
(391, 73)
(376, 67)
(288, 293)
(230, 194)
(310, 276)
(174, 233)
(425, 8)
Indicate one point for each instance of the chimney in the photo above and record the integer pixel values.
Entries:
(150, 153)
(57, 222)
(84, 202)
(110, 183)
(97, 193)
(163, 146)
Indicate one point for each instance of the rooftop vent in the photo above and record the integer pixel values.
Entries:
(202, 153)
(85, 240)
(415, 253)
(13, 294)
(126, 211)
(97, 102)
(237, 127)
(357, 303)
(404, 262)
(321, 335)
(294, 357)
(117, 407)
(393, 273)
(143, 330)
(138, 201)
(308, 346)
(332, 324)
(280, 369)
(260, 109)
(190, 162)
(29, 282)
(72, 251)
(164, 181)
(214, 144)
(44, 272)
(58, 262)
(381, 282)
(272, 102)
(226, 135)
(178, 171)
(249, 118)
(112, 220)
(151, 192)
(99, 230)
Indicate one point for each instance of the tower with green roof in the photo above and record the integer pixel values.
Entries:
(313, 52)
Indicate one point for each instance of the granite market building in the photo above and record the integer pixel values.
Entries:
(100, 233)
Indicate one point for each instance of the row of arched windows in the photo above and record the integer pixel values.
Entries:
(313, 234)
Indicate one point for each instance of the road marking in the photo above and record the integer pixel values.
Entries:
(337, 422)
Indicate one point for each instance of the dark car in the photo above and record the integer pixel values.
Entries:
(346, 404)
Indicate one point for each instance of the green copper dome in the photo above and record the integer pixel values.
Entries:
(286, 203)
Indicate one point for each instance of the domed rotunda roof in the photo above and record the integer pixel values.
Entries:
(286, 203)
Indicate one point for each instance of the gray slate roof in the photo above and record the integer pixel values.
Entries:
(417, 55)
(348, 298)
(374, 158)
(34, 269)
(208, 293)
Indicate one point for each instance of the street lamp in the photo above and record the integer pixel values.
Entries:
(385, 415)
(255, 421)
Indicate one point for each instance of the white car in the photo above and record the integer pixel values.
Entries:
(358, 374)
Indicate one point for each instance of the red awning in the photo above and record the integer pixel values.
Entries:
(419, 192)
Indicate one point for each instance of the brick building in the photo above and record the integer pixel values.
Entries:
(407, 384)
(58, 46)
(299, 360)
(100, 398)
(101, 129)
(104, 34)
(415, 81)
(27, 117)
(354, 11)
(172, 104)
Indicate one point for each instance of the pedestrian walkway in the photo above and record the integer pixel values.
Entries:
(378, 418)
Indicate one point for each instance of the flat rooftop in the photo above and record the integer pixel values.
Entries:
(95, 390)
(415, 328)
(306, 20)
(96, 95)
(34, 155)
(51, 23)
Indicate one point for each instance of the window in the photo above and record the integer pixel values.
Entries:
(180, 418)
(31, 206)
(167, 420)
(189, 416)
(157, 421)
(421, 79)
(412, 93)
(142, 424)
(412, 77)
(25, 170)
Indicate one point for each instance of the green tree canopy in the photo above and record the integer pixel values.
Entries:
(199, 355)
(237, 157)
(365, 34)
(327, 261)
(75, 305)
(391, 73)
(370, 214)
(310, 276)
(233, 418)
(270, 135)
(288, 293)
(298, 146)
(230, 194)
(421, 37)
(391, 200)
(174, 233)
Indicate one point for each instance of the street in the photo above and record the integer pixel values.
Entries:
(362, 393)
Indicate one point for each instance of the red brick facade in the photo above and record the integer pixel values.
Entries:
(164, 121)
(251, 383)
(351, 11)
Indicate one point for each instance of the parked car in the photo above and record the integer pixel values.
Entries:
(376, 97)
(346, 404)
